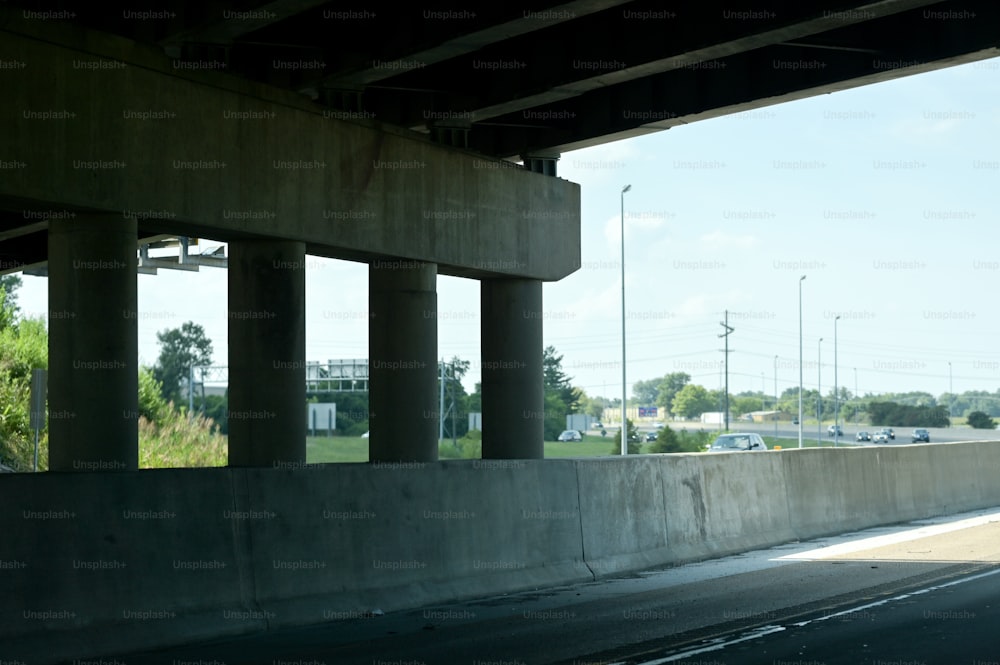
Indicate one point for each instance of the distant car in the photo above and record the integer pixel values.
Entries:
(834, 430)
(921, 435)
(746, 441)
(571, 435)
(880, 437)
(888, 432)
(597, 426)
(658, 425)
(651, 436)
(795, 421)
(365, 435)
(863, 436)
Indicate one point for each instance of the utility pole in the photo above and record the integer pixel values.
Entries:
(725, 336)
(441, 404)
(819, 391)
(776, 397)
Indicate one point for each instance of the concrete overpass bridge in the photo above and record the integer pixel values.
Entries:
(420, 142)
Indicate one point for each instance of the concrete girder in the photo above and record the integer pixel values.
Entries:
(223, 158)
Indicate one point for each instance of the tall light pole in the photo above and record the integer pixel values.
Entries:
(624, 419)
(800, 359)
(819, 395)
(776, 397)
(763, 395)
(951, 394)
(857, 406)
(722, 363)
(836, 397)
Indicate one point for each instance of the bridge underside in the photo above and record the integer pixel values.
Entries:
(378, 135)
(294, 127)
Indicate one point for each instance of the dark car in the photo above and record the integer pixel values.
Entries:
(651, 436)
(740, 441)
(863, 436)
(921, 435)
(888, 431)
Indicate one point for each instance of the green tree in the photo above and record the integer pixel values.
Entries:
(454, 393)
(475, 401)
(692, 400)
(979, 420)
(556, 381)
(23, 348)
(646, 393)
(561, 398)
(180, 349)
(554, 416)
(9, 311)
(670, 385)
(152, 405)
(744, 403)
(634, 445)
(906, 415)
(592, 406)
(682, 441)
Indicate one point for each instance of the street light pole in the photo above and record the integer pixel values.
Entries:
(951, 394)
(776, 397)
(836, 387)
(763, 395)
(624, 430)
(819, 395)
(857, 397)
(800, 359)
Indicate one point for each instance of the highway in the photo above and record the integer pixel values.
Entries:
(925, 592)
(786, 430)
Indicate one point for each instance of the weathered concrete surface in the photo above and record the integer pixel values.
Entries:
(403, 370)
(112, 562)
(512, 373)
(267, 353)
(97, 122)
(93, 348)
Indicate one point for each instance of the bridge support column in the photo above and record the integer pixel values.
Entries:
(93, 382)
(267, 350)
(513, 394)
(403, 395)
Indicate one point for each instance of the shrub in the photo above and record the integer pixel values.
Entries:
(682, 441)
(179, 442)
(634, 446)
(979, 420)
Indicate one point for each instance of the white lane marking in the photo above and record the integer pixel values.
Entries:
(890, 539)
(918, 592)
(719, 643)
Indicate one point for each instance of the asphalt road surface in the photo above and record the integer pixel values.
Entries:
(916, 594)
(809, 433)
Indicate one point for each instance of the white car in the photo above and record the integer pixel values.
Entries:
(570, 435)
(745, 441)
(880, 437)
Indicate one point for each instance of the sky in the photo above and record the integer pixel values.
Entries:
(884, 196)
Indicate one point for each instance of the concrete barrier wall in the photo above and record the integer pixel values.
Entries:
(103, 563)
